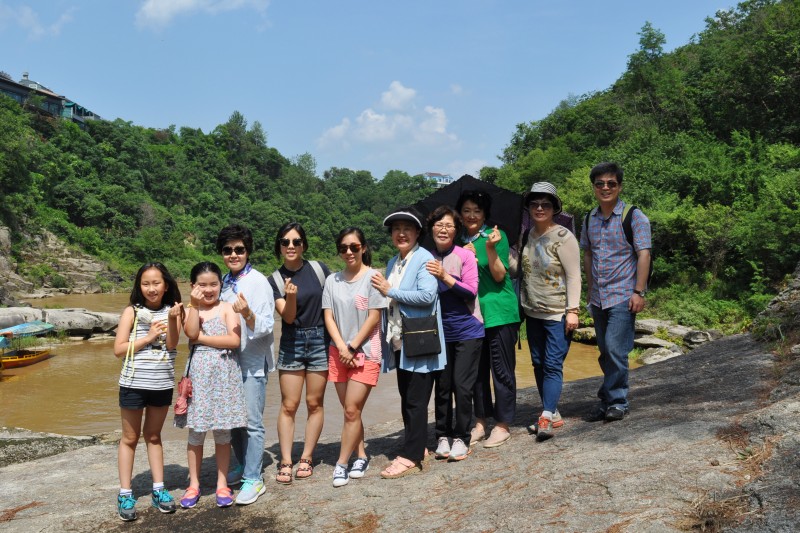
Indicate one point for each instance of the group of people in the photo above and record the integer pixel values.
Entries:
(446, 318)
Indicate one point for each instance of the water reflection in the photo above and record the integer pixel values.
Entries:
(76, 392)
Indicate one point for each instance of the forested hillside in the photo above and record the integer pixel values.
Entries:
(130, 194)
(708, 135)
(709, 138)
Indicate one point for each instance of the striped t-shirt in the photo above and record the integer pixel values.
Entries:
(152, 367)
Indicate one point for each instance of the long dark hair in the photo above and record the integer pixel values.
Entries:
(202, 268)
(171, 296)
(366, 256)
(286, 228)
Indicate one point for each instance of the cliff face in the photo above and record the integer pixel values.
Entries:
(781, 319)
(48, 266)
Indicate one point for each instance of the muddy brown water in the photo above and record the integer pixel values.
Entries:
(76, 392)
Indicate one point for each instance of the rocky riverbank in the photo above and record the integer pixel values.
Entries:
(57, 267)
(711, 443)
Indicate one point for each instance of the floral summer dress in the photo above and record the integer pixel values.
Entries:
(217, 400)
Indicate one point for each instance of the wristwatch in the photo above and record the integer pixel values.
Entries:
(351, 349)
(640, 293)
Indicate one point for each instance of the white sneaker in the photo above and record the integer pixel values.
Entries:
(459, 451)
(443, 449)
(340, 477)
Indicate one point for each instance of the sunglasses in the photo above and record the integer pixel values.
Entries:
(540, 205)
(296, 242)
(238, 250)
(600, 184)
(354, 248)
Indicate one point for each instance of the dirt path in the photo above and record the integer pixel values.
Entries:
(712, 439)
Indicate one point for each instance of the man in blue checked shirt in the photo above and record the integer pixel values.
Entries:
(616, 276)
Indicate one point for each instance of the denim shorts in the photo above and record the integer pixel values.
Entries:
(141, 398)
(303, 349)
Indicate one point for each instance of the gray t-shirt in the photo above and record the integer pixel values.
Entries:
(350, 302)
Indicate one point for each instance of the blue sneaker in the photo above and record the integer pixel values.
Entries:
(250, 491)
(163, 501)
(235, 475)
(359, 468)
(340, 477)
(126, 507)
(224, 497)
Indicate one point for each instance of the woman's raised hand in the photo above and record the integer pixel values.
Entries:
(289, 287)
(494, 238)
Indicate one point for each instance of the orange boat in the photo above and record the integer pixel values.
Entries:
(18, 356)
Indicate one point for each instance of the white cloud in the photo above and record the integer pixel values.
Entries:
(456, 88)
(336, 135)
(407, 131)
(397, 97)
(159, 13)
(28, 19)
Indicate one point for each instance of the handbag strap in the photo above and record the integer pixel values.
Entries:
(189, 361)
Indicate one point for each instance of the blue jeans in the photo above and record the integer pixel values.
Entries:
(614, 327)
(549, 345)
(248, 443)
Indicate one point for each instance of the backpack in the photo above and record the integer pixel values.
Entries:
(627, 228)
(276, 276)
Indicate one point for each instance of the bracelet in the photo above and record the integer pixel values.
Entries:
(574, 311)
(189, 306)
(251, 315)
(351, 349)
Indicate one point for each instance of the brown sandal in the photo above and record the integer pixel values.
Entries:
(282, 477)
(304, 469)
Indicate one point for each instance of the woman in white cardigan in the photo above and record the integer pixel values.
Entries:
(413, 292)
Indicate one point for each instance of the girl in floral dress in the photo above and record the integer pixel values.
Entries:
(217, 401)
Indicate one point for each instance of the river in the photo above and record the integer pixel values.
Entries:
(76, 392)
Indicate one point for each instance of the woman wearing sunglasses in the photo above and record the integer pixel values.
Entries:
(248, 291)
(550, 296)
(352, 311)
(303, 356)
(413, 293)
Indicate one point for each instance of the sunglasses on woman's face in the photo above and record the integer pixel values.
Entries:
(295, 242)
(238, 250)
(354, 248)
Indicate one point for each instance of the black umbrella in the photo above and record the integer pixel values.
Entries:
(506, 205)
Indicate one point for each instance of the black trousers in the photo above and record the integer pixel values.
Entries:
(457, 380)
(498, 360)
(415, 393)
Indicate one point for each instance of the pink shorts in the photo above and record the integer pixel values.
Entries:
(339, 373)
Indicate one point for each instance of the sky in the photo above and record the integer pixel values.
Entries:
(419, 85)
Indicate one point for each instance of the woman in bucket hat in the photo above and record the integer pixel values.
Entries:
(550, 296)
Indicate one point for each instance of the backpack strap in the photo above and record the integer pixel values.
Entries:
(319, 272)
(276, 276)
(627, 222)
(586, 219)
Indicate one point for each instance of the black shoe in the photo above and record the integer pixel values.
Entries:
(597, 414)
(615, 412)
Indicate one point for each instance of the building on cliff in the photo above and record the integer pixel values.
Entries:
(439, 180)
(49, 102)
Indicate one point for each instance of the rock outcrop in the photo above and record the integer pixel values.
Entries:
(59, 267)
(73, 322)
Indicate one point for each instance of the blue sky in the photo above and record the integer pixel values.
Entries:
(416, 85)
